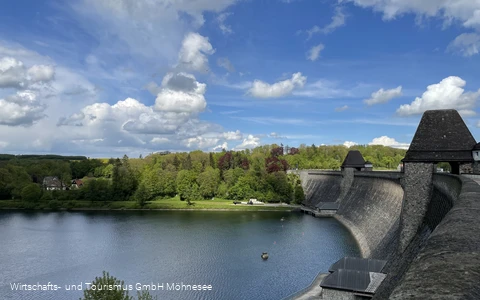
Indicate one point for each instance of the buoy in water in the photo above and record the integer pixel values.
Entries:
(264, 255)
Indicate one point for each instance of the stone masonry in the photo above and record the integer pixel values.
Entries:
(418, 186)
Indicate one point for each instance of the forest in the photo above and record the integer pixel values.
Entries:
(259, 173)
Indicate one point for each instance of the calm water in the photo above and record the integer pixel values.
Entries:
(221, 249)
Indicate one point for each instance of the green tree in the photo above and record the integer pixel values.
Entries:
(187, 185)
(141, 195)
(32, 192)
(299, 194)
(208, 182)
(118, 292)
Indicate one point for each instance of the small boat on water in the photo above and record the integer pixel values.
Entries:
(282, 219)
(264, 255)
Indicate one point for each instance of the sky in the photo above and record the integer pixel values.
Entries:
(103, 78)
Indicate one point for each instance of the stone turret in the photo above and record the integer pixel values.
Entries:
(441, 136)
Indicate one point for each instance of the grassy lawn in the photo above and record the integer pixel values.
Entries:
(173, 203)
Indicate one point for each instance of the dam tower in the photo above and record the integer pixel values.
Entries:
(441, 136)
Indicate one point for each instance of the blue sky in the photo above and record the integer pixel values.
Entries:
(104, 78)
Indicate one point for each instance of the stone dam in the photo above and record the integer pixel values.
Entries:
(440, 261)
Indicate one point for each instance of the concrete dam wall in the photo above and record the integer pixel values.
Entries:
(443, 259)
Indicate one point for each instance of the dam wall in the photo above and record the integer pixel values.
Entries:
(371, 209)
(320, 186)
(443, 259)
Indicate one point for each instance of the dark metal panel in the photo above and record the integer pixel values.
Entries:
(359, 264)
(349, 280)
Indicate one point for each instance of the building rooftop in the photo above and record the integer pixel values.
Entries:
(359, 264)
(353, 281)
(441, 136)
(354, 159)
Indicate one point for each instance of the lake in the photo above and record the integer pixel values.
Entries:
(162, 248)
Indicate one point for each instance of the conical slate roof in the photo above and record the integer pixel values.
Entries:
(441, 136)
(354, 159)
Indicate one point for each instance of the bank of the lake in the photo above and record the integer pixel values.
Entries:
(163, 204)
(221, 249)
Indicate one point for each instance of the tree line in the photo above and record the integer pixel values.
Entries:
(237, 175)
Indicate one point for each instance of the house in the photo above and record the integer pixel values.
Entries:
(51, 183)
(76, 183)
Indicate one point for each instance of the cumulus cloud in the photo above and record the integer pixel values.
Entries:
(448, 94)
(338, 20)
(389, 142)
(466, 44)
(14, 74)
(314, 53)
(232, 135)
(342, 108)
(226, 64)
(262, 89)
(150, 29)
(221, 23)
(181, 93)
(23, 108)
(349, 144)
(221, 147)
(383, 96)
(249, 142)
(194, 51)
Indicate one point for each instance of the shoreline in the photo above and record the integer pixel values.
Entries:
(149, 209)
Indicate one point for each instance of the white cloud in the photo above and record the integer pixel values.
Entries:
(194, 51)
(41, 73)
(262, 89)
(150, 29)
(383, 96)
(13, 73)
(221, 147)
(200, 142)
(466, 44)
(314, 52)
(232, 135)
(23, 108)
(226, 64)
(342, 108)
(466, 12)
(327, 89)
(159, 140)
(249, 142)
(181, 93)
(448, 94)
(221, 23)
(338, 20)
(276, 136)
(349, 144)
(388, 141)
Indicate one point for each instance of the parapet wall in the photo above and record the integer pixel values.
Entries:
(443, 259)
(448, 266)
